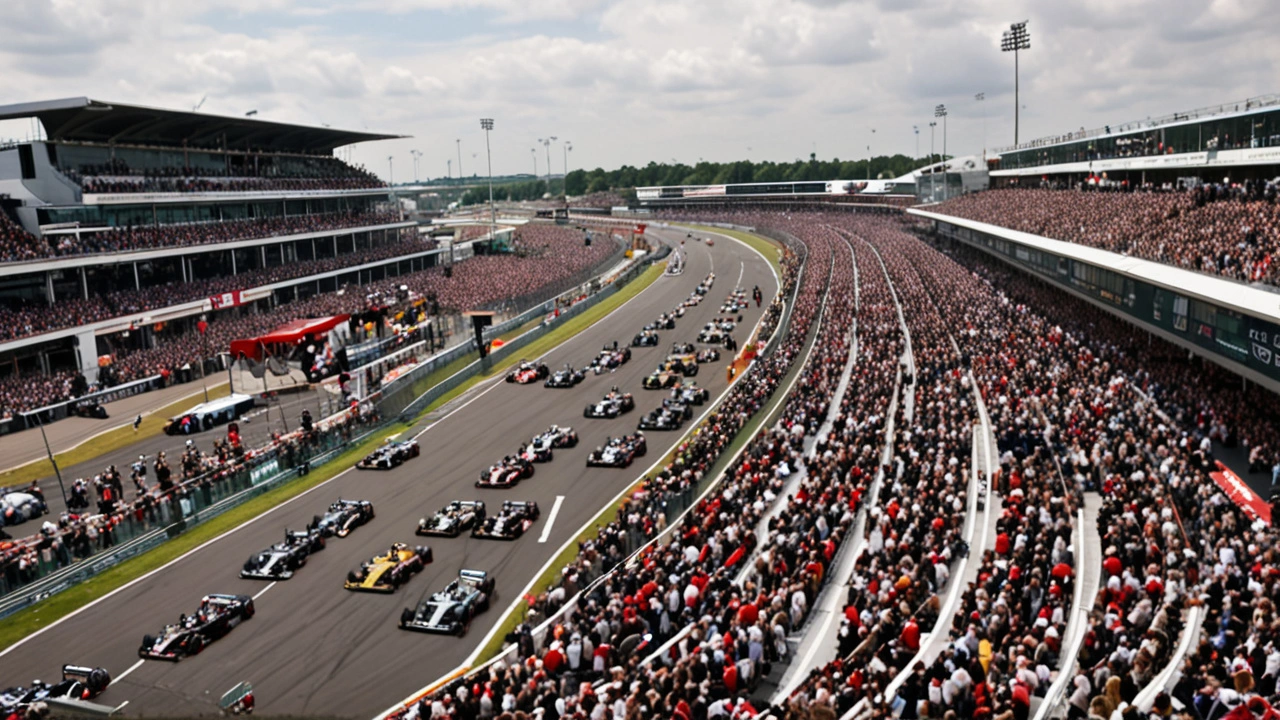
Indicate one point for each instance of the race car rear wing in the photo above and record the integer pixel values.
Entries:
(474, 575)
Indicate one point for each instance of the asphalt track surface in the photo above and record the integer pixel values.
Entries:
(254, 432)
(316, 649)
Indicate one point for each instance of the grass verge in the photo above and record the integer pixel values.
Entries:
(109, 441)
(45, 612)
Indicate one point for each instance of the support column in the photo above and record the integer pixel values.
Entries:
(233, 261)
(183, 259)
(137, 283)
(48, 288)
(84, 283)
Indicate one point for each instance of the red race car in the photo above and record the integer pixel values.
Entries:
(528, 372)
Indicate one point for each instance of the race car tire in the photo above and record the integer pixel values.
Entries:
(424, 554)
(406, 616)
(207, 422)
(196, 645)
(511, 378)
(148, 642)
(352, 577)
(249, 609)
(586, 412)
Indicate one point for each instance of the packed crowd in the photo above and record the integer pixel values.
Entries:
(1231, 232)
(111, 507)
(20, 322)
(17, 245)
(299, 174)
(547, 258)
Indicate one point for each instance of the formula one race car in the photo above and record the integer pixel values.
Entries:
(690, 394)
(694, 358)
(511, 522)
(388, 571)
(528, 372)
(565, 377)
(706, 284)
(661, 379)
(450, 611)
(735, 302)
(342, 517)
(664, 322)
(453, 518)
(614, 404)
(505, 474)
(619, 451)
(711, 335)
(610, 358)
(390, 455)
(89, 409)
(645, 338)
(18, 507)
(693, 300)
(217, 616)
(541, 446)
(78, 683)
(670, 416)
(280, 560)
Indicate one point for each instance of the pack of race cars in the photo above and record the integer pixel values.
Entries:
(452, 609)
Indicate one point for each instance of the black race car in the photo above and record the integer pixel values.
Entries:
(511, 522)
(280, 560)
(664, 322)
(565, 377)
(619, 451)
(645, 338)
(671, 416)
(342, 517)
(453, 519)
(610, 358)
(614, 404)
(528, 372)
(690, 394)
(217, 616)
(78, 683)
(89, 409)
(505, 474)
(711, 334)
(450, 611)
(390, 455)
(541, 447)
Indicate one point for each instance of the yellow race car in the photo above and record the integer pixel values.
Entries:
(388, 571)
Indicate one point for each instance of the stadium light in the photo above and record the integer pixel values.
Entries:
(933, 125)
(916, 130)
(873, 135)
(980, 98)
(486, 124)
(534, 153)
(1014, 39)
(391, 171)
(567, 147)
(941, 112)
(417, 155)
(459, 141)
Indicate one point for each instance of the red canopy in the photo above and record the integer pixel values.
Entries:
(291, 333)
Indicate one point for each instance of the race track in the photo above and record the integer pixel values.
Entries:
(315, 649)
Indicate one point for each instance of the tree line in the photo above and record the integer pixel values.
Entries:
(625, 179)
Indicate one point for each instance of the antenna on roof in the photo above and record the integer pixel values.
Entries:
(200, 104)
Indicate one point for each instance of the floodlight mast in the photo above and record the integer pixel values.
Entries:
(486, 124)
(1014, 39)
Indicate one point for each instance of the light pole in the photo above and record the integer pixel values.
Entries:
(48, 451)
(933, 125)
(941, 111)
(565, 183)
(916, 129)
(448, 167)
(486, 124)
(873, 135)
(546, 143)
(459, 142)
(534, 153)
(980, 98)
(391, 173)
(417, 155)
(1014, 39)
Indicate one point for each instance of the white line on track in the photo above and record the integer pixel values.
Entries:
(551, 519)
(125, 674)
(742, 267)
(264, 590)
(83, 608)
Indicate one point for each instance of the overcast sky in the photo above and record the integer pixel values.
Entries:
(629, 81)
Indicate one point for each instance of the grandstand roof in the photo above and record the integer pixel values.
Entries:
(84, 120)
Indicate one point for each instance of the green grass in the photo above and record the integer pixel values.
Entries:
(109, 441)
(25, 622)
(771, 250)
